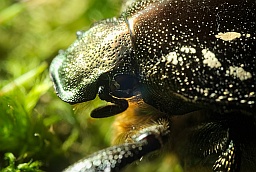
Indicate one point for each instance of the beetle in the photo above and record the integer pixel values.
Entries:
(180, 74)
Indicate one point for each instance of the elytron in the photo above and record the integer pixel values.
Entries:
(178, 74)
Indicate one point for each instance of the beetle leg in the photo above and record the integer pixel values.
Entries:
(116, 157)
(223, 145)
(229, 159)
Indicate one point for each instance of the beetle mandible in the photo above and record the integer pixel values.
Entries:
(192, 63)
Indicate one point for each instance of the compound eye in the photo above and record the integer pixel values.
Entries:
(124, 86)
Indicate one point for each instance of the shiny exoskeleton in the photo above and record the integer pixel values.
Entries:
(182, 73)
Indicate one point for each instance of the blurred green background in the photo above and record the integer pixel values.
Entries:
(39, 132)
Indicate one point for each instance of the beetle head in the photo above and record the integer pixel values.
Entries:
(94, 63)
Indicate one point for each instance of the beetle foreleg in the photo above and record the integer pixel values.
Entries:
(116, 157)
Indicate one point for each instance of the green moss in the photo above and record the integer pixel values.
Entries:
(37, 130)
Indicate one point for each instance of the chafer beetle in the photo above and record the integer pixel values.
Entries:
(182, 73)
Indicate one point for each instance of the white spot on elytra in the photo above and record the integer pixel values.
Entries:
(188, 50)
(172, 58)
(210, 59)
(239, 72)
(221, 98)
(252, 94)
(164, 77)
(247, 35)
(204, 91)
(228, 36)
